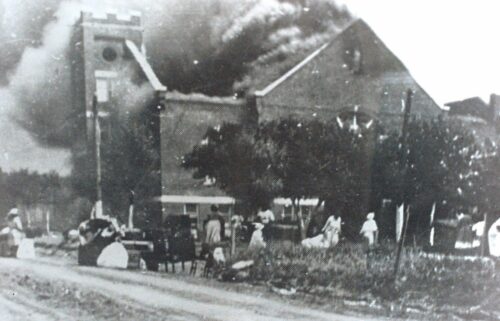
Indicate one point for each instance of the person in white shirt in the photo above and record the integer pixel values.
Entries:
(369, 230)
(14, 230)
(266, 216)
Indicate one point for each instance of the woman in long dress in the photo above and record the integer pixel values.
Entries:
(213, 229)
(331, 230)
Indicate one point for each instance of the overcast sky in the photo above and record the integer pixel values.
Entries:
(451, 47)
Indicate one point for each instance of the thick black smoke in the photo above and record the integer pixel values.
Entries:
(213, 47)
(207, 48)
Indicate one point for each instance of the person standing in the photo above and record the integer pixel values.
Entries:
(213, 230)
(369, 230)
(215, 212)
(14, 230)
(266, 217)
(331, 230)
(465, 235)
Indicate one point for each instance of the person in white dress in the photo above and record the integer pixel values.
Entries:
(257, 239)
(369, 230)
(332, 230)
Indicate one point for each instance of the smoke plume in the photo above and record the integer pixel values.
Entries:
(212, 47)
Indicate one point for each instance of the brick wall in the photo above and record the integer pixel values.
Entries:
(183, 124)
(332, 81)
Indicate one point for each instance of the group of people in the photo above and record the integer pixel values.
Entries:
(214, 227)
(212, 249)
(470, 235)
(262, 228)
(330, 233)
(329, 236)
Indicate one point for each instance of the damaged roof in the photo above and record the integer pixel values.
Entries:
(145, 67)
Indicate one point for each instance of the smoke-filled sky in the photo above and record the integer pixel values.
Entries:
(449, 46)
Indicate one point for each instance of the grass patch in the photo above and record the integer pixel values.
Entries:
(429, 282)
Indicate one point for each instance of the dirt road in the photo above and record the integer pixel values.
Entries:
(47, 289)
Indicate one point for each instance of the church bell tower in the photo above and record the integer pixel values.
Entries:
(106, 52)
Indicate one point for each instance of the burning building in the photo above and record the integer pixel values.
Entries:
(137, 133)
(119, 97)
(354, 77)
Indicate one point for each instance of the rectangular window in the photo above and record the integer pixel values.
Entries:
(104, 85)
(288, 214)
(192, 210)
(102, 90)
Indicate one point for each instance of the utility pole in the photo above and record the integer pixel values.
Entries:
(97, 143)
(404, 167)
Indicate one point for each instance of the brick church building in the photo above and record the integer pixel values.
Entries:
(354, 75)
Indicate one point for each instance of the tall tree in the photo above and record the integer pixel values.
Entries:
(351, 171)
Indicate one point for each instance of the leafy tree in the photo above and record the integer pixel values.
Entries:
(32, 190)
(352, 172)
(231, 156)
(438, 170)
(130, 161)
(318, 159)
(288, 158)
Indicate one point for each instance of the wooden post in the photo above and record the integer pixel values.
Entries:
(48, 222)
(401, 241)
(233, 239)
(404, 160)
(484, 236)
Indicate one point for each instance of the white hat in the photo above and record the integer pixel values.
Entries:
(370, 216)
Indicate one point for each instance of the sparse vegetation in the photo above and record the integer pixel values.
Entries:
(427, 283)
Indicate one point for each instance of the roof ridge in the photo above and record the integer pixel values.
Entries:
(305, 61)
(466, 99)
